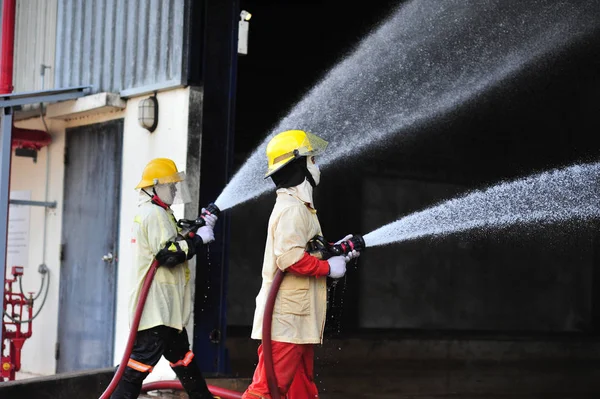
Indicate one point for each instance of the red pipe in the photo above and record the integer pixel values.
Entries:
(8, 46)
(217, 391)
(266, 335)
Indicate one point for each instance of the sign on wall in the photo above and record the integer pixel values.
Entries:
(17, 250)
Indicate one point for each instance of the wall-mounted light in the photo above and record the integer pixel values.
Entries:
(243, 28)
(245, 15)
(148, 113)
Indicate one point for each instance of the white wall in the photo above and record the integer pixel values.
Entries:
(169, 140)
(38, 351)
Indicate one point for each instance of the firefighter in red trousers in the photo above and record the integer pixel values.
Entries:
(301, 304)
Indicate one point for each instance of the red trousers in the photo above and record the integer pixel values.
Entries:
(294, 370)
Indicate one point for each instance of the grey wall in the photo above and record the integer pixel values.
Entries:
(120, 46)
(512, 280)
(35, 42)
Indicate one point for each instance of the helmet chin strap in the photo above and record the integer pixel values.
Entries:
(155, 199)
(310, 179)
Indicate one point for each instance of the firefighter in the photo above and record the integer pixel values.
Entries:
(301, 304)
(167, 309)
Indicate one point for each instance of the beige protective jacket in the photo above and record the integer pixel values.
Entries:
(169, 299)
(301, 304)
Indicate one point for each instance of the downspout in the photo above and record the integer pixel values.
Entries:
(8, 46)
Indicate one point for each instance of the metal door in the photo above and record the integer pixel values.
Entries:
(89, 239)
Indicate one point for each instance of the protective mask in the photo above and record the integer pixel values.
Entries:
(173, 193)
(314, 170)
(166, 193)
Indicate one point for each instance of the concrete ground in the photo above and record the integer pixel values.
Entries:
(438, 368)
(401, 380)
(405, 367)
(22, 375)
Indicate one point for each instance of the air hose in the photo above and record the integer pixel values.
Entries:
(176, 385)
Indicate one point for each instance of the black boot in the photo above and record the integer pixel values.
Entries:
(193, 382)
(130, 385)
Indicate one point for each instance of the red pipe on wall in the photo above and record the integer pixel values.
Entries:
(8, 46)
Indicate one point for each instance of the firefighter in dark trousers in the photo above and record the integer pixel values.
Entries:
(167, 310)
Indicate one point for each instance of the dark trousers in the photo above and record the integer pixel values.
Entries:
(148, 348)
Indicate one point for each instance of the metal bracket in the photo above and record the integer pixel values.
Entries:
(32, 203)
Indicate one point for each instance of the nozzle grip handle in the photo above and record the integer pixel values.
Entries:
(188, 225)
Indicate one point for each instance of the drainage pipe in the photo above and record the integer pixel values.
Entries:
(8, 46)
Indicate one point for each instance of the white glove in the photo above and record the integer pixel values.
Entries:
(206, 233)
(352, 254)
(210, 219)
(337, 266)
(349, 236)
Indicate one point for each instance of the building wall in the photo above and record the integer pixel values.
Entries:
(38, 352)
(139, 45)
(169, 140)
(139, 147)
(35, 44)
(117, 46)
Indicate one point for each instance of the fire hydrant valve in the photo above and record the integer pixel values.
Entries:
(20, 308)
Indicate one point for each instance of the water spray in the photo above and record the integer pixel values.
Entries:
(428, 59)
(553, 197)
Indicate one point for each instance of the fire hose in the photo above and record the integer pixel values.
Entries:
(320, 249)
(187, 227)
(176, 385)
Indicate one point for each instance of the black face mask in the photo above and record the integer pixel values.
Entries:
(293, 174)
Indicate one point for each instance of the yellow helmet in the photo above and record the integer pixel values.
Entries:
(287, 146)
(160, 171)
